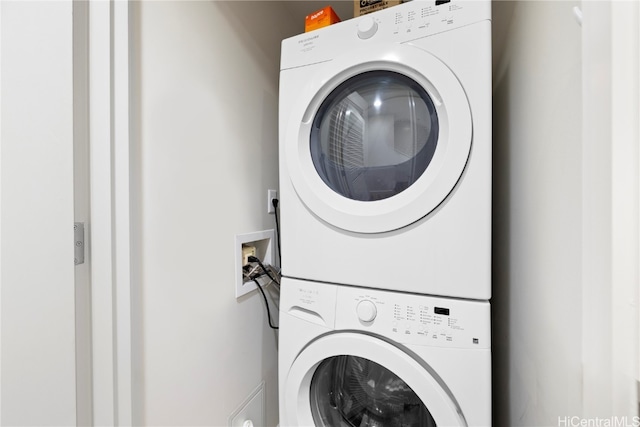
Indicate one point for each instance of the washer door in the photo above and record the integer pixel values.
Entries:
(350, 379)
(379, 138)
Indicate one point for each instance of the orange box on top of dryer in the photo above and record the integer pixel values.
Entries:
(320, 18)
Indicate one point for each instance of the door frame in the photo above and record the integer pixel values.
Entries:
(611, 213)
(110, 218)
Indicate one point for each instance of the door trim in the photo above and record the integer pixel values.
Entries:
(109, 35)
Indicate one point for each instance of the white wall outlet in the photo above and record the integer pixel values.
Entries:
(247, 251)
(262, 244)
(271, 194)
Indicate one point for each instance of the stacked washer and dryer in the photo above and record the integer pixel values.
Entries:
(385, 196)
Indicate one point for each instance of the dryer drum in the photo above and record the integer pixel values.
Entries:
(374, 135)
(349, 391)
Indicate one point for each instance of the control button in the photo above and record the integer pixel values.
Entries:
(366, 311)
(367, 27)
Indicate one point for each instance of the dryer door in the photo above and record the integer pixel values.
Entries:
(350, 379)
(379, 138)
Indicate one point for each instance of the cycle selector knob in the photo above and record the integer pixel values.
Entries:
(367, 27)
(366, 311)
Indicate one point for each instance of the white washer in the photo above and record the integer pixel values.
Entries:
(354, 356)
(385, 150)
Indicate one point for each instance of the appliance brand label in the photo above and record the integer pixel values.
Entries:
(365, 3)
(368, 6)
(308, 43)
(307, 39)
(308, 296)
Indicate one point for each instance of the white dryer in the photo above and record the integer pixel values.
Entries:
(362, 357)
(385, 150)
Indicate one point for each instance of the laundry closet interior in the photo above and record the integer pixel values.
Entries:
(560, 226)
(209, 152)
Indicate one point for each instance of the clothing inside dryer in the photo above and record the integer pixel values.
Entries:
(374, 135)
(349, 391)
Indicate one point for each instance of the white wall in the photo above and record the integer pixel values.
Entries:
(566, 134)
(205, 89)
(37, 271)
(537, 255)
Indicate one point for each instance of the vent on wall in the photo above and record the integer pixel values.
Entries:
(250, 412)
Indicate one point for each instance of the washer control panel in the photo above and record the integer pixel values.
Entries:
(414, 319)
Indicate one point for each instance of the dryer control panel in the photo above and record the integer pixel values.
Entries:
(398, 24)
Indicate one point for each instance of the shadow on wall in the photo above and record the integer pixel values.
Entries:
(502, 13)
(501, 253)
(252, 21)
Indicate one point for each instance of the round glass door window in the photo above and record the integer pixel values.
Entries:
(374, 135)
(349, 391)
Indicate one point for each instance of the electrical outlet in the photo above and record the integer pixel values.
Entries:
(247, 251)
(271, 194)
(258, 244)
